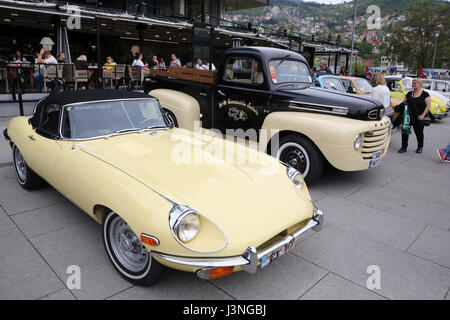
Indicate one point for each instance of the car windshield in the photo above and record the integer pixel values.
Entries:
(99, 119)
(364, 86)
(333, 84)
(284, 71)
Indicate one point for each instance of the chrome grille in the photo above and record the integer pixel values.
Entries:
(374, 141)
(372, 115)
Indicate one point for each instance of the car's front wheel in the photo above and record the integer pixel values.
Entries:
(127, 253)
(300, 153)
(27, 178)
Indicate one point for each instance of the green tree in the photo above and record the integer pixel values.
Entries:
(414, 38)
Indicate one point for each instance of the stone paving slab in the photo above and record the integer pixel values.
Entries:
(44, 220)
(381, 226)
(81, 245)
(63, 294)
(175, 285)
(401, 202)
(434, 245)
(403, 276)
(14, 199)
(333, 287)
(286, 278)
(23, 272)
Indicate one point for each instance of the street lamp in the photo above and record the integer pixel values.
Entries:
(434, 54)
(353, 41)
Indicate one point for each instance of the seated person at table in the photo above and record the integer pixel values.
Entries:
(81, 63)
(138, 62)
(61, 57)
(48, 60)
(175, 62)
(110, 64)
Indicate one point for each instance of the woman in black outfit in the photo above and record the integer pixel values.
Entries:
(419, 103)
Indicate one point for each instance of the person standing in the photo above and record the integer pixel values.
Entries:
(419, 103)
(323, 68)
(381, 93)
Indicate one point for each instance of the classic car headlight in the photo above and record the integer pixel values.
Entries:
(187, 228)
(357, 142)
(184, 223)
(295, 176)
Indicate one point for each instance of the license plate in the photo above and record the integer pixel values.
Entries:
(268, 258)
(377, 154)
(374, 163)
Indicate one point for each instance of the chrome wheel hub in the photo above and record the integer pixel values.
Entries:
(20, 165)
(127, 247)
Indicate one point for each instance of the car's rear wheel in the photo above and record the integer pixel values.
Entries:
(300, 153)
(127, 253)
(27, 178)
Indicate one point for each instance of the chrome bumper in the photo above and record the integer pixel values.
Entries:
(251, 257)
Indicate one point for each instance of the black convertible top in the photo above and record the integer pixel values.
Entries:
(78, 96)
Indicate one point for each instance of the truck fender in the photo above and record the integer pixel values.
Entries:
(327, 132)
(184, 107)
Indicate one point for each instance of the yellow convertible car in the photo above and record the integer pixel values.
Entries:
(116, 156)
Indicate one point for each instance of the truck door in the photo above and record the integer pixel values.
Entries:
(242, 96)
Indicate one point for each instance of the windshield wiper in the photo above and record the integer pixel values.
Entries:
(117, 132)
(159, 126)
(296, 84)
(282, 60)
(126, 130)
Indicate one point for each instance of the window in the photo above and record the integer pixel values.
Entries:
(347, 84)
(364, 86)
(244, 70)
(440, 86)
(426, 84)
(49, 120)
(90, 120)
(333, 84)
(292, 71)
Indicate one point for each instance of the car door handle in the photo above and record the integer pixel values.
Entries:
(221, 93)
(32, 137)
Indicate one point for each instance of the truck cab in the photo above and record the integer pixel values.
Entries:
(272, 91)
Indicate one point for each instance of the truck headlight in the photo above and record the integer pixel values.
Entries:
(357, 142)
(295, 176)
(184, 223)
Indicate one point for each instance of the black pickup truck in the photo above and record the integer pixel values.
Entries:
(267, 88)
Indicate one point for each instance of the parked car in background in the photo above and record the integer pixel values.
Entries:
(111, 153)
(441, 86)
(329, 82)
(363, 87)
(271, 91)
(356, 85)
(401, 86)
